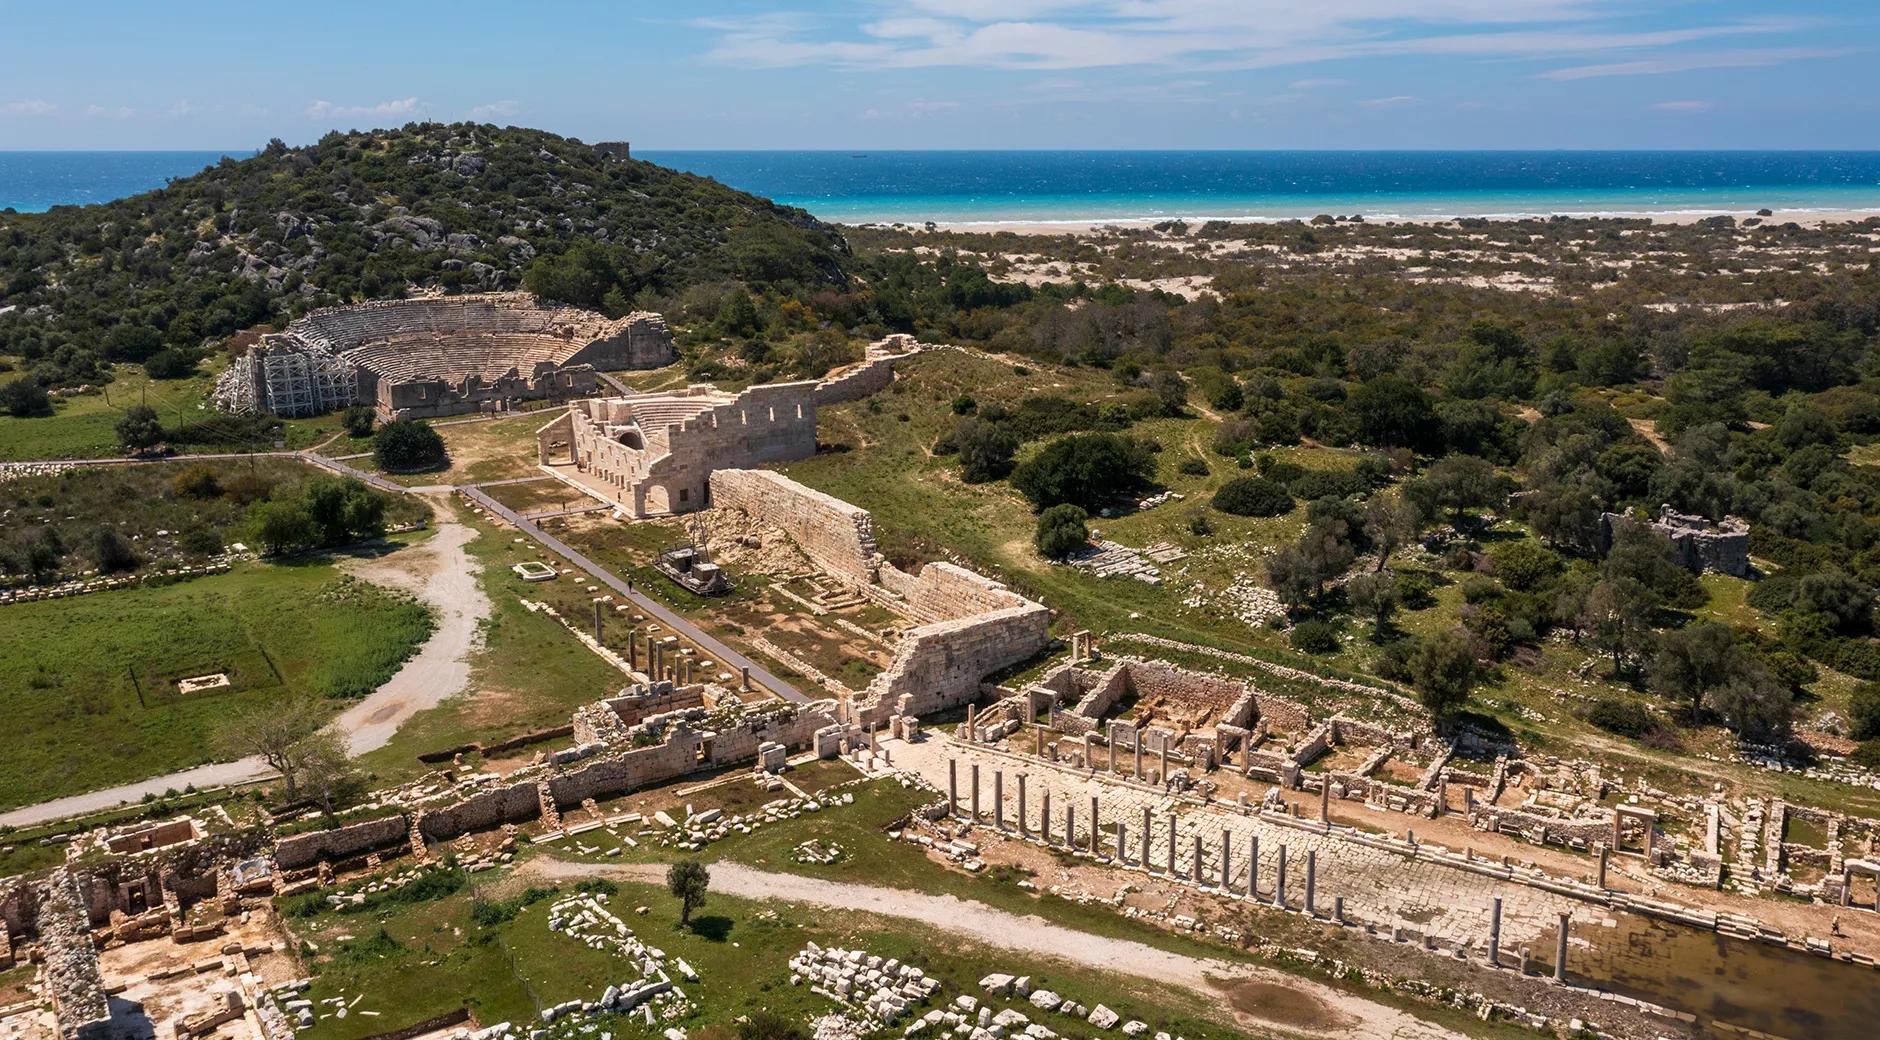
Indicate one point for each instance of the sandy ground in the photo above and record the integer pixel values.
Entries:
(442, 574)
(1806, 218)
(1260, 997)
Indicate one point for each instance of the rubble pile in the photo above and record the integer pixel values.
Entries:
(886, 989)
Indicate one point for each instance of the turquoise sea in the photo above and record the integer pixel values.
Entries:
(1071, 187)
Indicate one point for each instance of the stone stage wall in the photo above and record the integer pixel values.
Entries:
(836, 536)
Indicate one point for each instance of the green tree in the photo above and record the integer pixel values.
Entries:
(282, 525)
(1085, 469)
(1392, 411)
(1464, 482)
(1442, 668)
(1522, 565)
(138, 429)
(1061, 531)
(1567, 515)
(25, 398)
(1375, 596)
(357, 420)
(111, 552)
(1693, 660)
(1616, 618)
(985, 449)
(404, 445)
(1753, 704)
(1863, 711)
(687, 881)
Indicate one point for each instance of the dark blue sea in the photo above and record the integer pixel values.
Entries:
(1074, 187)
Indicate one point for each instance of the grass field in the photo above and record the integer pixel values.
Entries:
(495, 449)
(87, 683)
(141, 503)
(84, 426)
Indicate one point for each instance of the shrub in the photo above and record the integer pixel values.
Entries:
(1061, 531)
(197, 482)
(1863, 711)
(1199, 525)
(138, 428)
(1867, 755)
(25, 398)
(1325, 483)
(1523, 564)
(1314, 637)
(357, 420)
(1253, 496)
(1194, 467)
(407, 445)
(1627, 718)
(985, 450)
(171, 363)
(964, 405)
(1085, 469)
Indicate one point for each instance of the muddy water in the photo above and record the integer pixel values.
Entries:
(1731, 982)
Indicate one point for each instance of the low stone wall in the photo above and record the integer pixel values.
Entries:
(344, 842)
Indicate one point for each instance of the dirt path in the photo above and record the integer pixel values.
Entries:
(1261, 997)
(444, 576)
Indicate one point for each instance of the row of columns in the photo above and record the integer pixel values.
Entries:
(1093, 844)
(659, 664)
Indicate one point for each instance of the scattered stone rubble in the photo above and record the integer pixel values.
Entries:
(885, 989)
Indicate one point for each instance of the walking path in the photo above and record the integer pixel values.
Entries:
(1312, 1008)
(442, 574)
(759, 674)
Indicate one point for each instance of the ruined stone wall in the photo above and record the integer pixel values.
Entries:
(436, 397)
(838, 537)
(353, 839)
(74, 978)
(939, 666)
(1161, 679)
(1103, 696)
(485, 810)
(665, 467)
(947, 592)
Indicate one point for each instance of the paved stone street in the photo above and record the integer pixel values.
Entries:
(1380, 887)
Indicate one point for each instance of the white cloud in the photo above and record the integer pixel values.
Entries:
(1314, 84)
(1743, 59)
(109, 111)
(911, 110)
(180, 110)
(496, 108)
(1682, 106)
(29, 107)
(1204, 35)
(1393, 101)
(328, 110)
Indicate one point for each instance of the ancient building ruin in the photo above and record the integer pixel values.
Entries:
(964, 626)
(1701, 544)
(651, 453)
(436, 356)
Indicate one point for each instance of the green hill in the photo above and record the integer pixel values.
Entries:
(367, 215)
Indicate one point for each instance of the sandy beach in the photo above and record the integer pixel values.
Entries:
(1806, 218)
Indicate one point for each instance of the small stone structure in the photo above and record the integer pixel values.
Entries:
(1701, 545)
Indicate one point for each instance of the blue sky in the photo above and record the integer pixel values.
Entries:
(954, 73)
